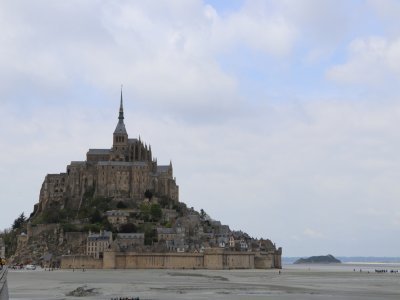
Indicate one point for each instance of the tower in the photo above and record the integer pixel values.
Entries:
(120, 136)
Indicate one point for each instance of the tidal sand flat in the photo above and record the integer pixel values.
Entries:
(294, 282)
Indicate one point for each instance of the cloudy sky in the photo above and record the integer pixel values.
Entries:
(281, 118)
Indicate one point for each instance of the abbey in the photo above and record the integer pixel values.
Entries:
(123, 172)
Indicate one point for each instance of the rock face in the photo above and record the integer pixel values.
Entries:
(323, 259)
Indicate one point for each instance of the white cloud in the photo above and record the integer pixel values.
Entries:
(372, 61)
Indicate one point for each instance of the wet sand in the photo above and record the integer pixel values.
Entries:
(295, 282)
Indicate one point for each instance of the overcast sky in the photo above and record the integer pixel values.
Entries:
(281, 118)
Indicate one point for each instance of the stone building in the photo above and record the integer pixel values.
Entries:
(123, 172)
(117, 217)
(98, 243)
(128, 241)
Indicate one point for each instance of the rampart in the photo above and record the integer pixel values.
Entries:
(80, 261)
(216, 259)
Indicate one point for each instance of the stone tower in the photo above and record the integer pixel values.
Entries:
(120, 137)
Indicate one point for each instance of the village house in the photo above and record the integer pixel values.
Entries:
(98, 243)
(127, 241)
(117, 217)
(232, 241)
(165, 234)
(243, 245)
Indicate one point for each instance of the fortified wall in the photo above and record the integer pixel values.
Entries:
(214, 259)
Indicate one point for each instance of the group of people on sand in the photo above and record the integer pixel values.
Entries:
(385, 271)
(125, 298)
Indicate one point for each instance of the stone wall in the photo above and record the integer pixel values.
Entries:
(80, 261)
(220, 259)
(278, 260)
(35, 230)
(75, 242)
(213, 259)
(264, 261)
(159, 261)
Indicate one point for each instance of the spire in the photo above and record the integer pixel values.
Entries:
(120, 129)
(121, 108)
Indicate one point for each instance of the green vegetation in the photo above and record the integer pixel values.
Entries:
(66, 227)
(166, 202)
(150, 234)
(150, 212)
(19, 222)
(93, 207)
(180, 208)
(202, 214)
(127, 228)
(10, 240)
(121, 205)
(323, 259)
(10, 235)
(155, 212)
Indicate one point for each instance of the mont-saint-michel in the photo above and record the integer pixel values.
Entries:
(120, 208)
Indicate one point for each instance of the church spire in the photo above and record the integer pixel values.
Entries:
(120, 129)
(121, 108)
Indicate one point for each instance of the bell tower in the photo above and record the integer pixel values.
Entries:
(120, 136)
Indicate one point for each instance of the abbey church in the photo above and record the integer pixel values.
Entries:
(123, 172)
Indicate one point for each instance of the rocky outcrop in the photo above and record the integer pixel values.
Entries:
(48, 239)
(323, 259)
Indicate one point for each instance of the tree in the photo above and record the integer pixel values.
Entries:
(128, 228)
(202, 214)
(18, 222)
(150, 235)
(121, 204)
(145, 211)
(96, 217)
(155, 212)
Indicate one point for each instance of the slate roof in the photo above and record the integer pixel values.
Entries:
(132, 141)
(130, 235)
(99, 151)
(120, 129)
(78, 162)
(162, 169)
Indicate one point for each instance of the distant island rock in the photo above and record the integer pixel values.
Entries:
(323, 259)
